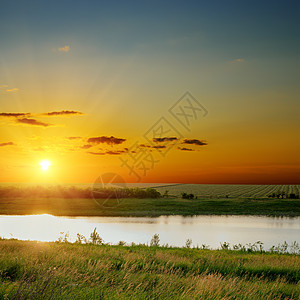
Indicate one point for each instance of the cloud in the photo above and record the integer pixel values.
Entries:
(62, 113)
(64, 49)
(32, 122)
(165, 139)
(7, 144)
(117, 152)
(14, 115)
(49, 114)
(105, 139)
(194, 142)
(238, 60)
(97, 153)
(159, 147)
(185, 149)
(26, 118)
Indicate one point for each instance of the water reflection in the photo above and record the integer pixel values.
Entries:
(173, 230)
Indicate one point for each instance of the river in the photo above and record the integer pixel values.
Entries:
(174, 230)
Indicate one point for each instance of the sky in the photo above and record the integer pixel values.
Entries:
(151, 91)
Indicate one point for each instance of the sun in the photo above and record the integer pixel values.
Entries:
(45, 164)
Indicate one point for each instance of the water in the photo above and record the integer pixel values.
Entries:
(174, 230)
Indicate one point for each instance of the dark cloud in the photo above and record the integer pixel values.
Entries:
(118, 152)
(194, 142)
(97, 153)
(73, 137)
(14, 115)
(165, 139)
(159, 147)
(145, 146)
(7, 144)
(62, 113)
(32, 122)
(105, 139)
(185, 149)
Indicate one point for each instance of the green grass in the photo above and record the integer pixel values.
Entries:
(151, 207)
(35, 270)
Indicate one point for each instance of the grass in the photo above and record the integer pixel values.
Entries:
(152, 207)
(35, 270)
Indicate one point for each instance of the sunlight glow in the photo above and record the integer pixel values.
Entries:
(45, 164)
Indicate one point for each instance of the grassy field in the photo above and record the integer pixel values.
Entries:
(150, 207)
(35, 270)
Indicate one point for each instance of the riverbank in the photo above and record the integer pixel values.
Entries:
(152, 207)
(87, 271)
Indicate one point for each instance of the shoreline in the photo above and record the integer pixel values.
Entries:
(150, 207)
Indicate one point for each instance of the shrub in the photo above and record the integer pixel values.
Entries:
(187, 196)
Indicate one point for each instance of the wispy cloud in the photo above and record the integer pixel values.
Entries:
(33, 122)
(105, 139)
(117, 152)
(185, 149)
(194, 142)
(27, 118)
(7, 144)
(14, 115)
(62, 113)
(97, 153)
(165, 139)
(64, 49)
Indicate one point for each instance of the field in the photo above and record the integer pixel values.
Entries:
(208, 200)
(151, 207)
(231, 191)
(211, 200)
(35, 270)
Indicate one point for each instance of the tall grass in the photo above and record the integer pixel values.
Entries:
(35, 270)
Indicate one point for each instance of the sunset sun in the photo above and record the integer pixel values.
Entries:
(45, 164)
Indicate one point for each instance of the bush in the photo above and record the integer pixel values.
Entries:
(187, 196)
